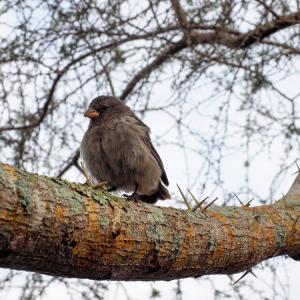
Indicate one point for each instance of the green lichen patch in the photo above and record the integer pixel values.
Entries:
(101, 198)
(155, 229)
(234, 211)
(7, 176)
(156, 215)
(128, 219)
(104, 223)
(25, 185)
(176, 246)
(294, 203)
(212, 243)
(3, 179)
(155, 232)
(280, 236)
(2, 173)
(76, 200)
(76, 193)
(195, 217)
(84, 190)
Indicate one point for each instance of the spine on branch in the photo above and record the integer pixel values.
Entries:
(61, 228)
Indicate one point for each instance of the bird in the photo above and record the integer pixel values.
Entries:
(117, 149)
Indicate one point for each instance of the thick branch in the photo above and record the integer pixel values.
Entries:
(267, 29)
(60, 228)
(164, 56)
(72, 161)
(182, 18)
(218, 36)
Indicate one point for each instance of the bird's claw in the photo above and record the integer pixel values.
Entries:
(133, 197)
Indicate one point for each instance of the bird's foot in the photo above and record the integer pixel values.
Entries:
(134, 197)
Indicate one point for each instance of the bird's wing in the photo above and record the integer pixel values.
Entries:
(164, 177)
(153, 151)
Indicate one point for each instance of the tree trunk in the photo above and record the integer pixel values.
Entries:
(61, 228)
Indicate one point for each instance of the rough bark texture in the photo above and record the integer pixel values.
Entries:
(60, 228)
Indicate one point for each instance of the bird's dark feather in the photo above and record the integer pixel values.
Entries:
(148, 142)
(164, 177)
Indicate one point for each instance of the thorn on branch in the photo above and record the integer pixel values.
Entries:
(184, 198)
(251, 272)
(249, 202)
(238, 199)
(198, 205)
(246, 273)
(193, 196)
(261, 265)
(241, 202)
(209, 204)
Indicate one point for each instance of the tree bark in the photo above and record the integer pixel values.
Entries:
(56, 227)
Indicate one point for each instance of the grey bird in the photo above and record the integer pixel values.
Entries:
(117, 149)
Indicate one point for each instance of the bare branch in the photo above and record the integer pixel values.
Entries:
(61, 228)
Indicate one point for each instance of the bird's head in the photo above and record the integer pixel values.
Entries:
(103, 107)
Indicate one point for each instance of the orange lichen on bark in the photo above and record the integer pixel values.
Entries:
(60, 228)
(10, 170)
(61, 213)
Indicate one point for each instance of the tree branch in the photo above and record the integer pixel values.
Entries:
(182, 19)
(72, 161)
(218, 36)
(61, 228)
(164, 56)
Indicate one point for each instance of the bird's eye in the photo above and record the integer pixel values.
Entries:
(103, 109)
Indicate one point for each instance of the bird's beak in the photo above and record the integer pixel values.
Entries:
(91, 113)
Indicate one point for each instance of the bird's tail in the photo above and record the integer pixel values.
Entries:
(162, 193)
